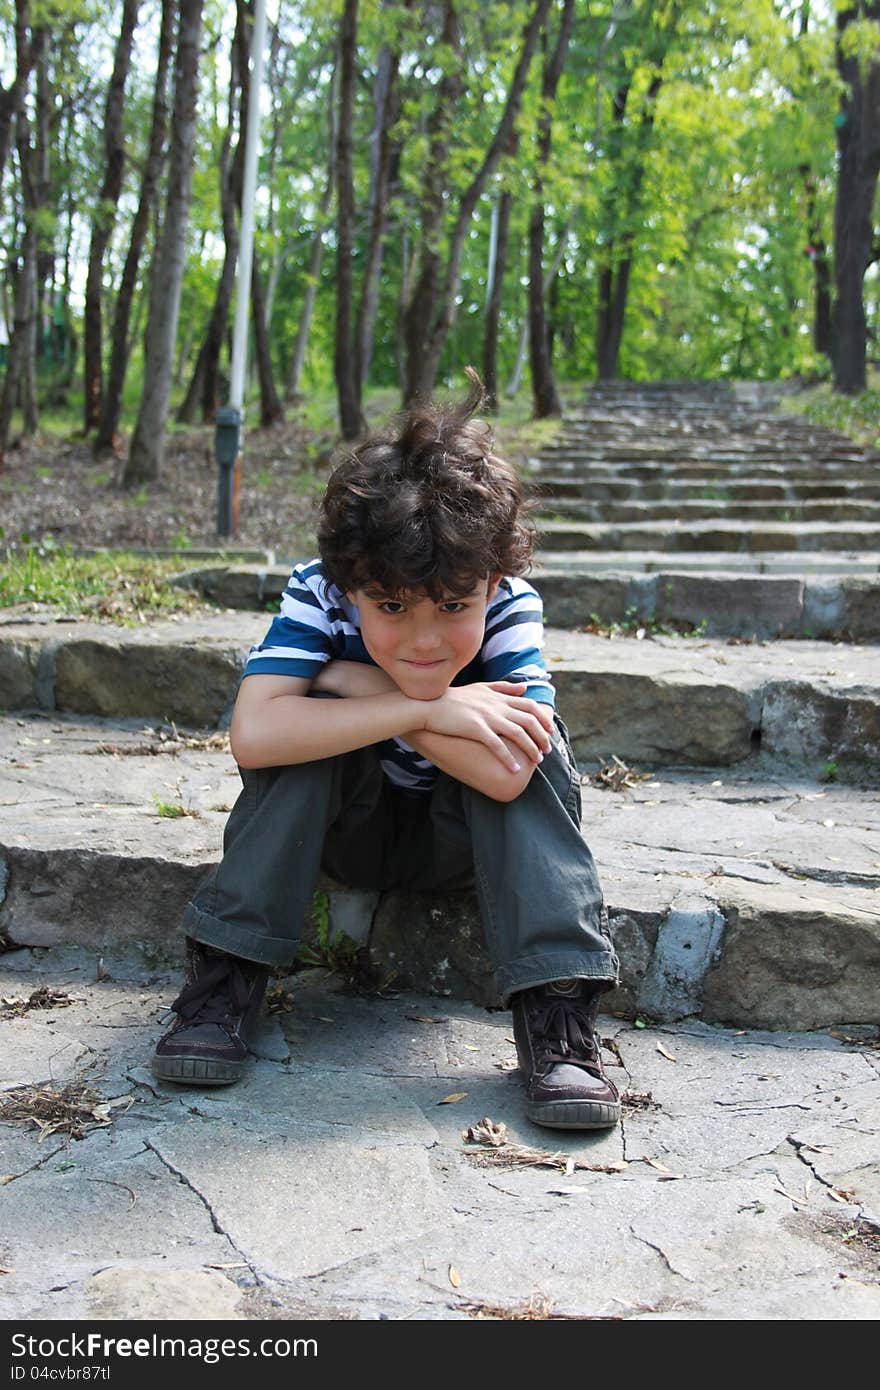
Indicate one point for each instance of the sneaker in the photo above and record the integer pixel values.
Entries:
(216, 1011)
(560, 1056)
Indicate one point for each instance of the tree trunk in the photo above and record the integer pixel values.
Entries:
(317, 252)
(119, 355)
(382, 159)
(147, 446)
(615, 262)
(432, 310)
(613, 292)
(544, 394)
(29, 48)
(818, 252)
(345, 363)
(270, 405)
(43, 141)
(858, 143)
(11, 96)
(104, 217)
(493, 306)
(204, 385)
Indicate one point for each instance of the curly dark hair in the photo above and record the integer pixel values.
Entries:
(425, 506)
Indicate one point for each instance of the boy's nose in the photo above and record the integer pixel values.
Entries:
(426, 639)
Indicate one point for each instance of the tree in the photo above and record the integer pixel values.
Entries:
(203, 387)
(149, 189)
(346, 366)
(30, 52)
(494, 287)
(148, 441)
(431, 310)
(104, 216)
(316, 253)
(544, 393)
(634, 105)
(858, 143)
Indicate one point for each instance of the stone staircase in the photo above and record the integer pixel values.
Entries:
(725, 660)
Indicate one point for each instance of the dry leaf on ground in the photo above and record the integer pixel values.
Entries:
(42, 998)
(454, 1277)
(453, 1098)
(497, 1151)
(615, 776)
(74, 1109)
(638, 1100)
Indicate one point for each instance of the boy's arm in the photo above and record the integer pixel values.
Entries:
(465, 759)
(274, 723)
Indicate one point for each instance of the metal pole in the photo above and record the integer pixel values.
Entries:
(233, 418)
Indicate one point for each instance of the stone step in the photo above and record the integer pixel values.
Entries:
(732, 536)
(552, 485)
(749, 898)
(695, 508)
(830, 608)
(665, 701)
(712, 470)
(762, 606)
(589, 444)
(828, 563)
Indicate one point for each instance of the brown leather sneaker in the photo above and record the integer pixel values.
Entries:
(560, 1056)
(216, 1011)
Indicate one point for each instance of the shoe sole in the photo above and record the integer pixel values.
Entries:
(574, 1114)
(196, 1071)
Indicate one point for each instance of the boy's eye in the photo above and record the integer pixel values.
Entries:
(453, 606)
(392, 606)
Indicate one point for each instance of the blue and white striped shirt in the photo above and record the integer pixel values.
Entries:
(319, 623)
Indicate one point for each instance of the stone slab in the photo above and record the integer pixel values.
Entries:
(88, 860)
(712, 535)
(353, 1195)
(669, 700)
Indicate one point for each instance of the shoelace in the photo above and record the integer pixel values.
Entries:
(562, 1030)
(219, 992)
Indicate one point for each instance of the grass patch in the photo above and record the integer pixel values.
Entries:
(112, 586)
(173, 810)
(858, 417)
(631, 625)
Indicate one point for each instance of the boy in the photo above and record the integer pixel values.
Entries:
(397, 726)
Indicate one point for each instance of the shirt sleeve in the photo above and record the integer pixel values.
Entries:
(514, 638)
(300, 640)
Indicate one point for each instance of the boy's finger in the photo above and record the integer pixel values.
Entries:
(524, 739)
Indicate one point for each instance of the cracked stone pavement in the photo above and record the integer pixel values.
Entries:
(332, 1183)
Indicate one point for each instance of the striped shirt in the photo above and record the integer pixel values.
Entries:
(319, 623)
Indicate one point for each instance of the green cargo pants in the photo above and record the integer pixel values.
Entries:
(536, 882)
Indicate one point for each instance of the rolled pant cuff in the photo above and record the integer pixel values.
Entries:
(249, 945)
(528, 971)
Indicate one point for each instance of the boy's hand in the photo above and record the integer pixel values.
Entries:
(490, 713)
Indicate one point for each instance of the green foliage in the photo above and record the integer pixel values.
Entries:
(700, 179)
(335, 951)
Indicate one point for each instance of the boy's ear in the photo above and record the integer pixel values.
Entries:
(494, 581)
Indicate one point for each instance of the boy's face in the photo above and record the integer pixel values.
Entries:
(421, 644)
